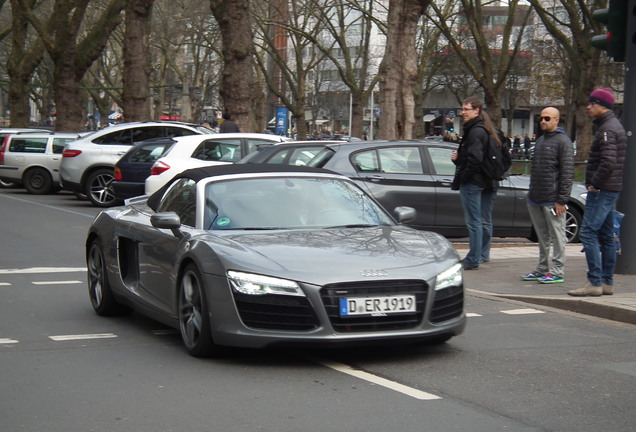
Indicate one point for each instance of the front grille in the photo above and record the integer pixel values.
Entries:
(448, 304)
(331, 295)
(276, 312)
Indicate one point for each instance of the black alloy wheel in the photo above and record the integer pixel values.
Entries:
(99, 188)
(98, 287)
(194, 322)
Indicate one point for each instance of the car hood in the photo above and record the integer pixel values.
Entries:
(336, 254)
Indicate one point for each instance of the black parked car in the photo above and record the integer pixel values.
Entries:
(134, 167)
(418, 174)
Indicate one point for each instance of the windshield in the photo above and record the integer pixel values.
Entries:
(289, 202)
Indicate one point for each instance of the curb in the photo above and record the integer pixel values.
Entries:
(582, 306)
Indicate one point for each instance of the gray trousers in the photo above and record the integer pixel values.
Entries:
(550, 230)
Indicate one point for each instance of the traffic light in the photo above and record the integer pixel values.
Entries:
(615, 19)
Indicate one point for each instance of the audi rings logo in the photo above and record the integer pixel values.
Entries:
(374, 273)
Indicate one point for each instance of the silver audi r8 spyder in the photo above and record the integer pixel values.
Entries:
(256, 256)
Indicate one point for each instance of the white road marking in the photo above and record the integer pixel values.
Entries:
(523, 311)
(7, 341)
(43, 270)
(470, 314)
(4, 284)
(56, 282)
(401, 388)
(83, 337)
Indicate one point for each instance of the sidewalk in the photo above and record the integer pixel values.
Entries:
(502, 277)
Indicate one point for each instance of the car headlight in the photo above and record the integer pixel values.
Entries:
(253, 284)
(450, 277)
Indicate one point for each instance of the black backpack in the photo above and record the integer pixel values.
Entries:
(497, 160)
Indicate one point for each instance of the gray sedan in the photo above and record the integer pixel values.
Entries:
(419, 175)
(256, 256)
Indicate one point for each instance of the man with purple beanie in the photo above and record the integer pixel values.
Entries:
(604, 181)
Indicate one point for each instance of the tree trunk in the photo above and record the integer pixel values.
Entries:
(233, 18)
(358, 103)
(61, 34)
(398, 70)
(20, 66)
(135, 94)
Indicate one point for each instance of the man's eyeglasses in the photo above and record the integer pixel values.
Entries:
(546, 118)
(468, 109)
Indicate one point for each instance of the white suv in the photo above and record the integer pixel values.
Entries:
(33, 160)
(87, 164)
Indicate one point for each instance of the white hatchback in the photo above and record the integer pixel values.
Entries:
(33, 160)
(205, 150)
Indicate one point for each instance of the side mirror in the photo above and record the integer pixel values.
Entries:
(404, 214)
(167, 220)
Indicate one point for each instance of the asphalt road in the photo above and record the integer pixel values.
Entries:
(517, 367)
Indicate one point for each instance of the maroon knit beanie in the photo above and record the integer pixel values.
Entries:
(602, 96)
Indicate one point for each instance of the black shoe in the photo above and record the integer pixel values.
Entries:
(467, 266)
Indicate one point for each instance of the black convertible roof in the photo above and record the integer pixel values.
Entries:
(198, 174)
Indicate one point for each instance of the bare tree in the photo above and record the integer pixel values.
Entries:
(73, 49)
(287, 55)
(490, 56)
(349, 25)
(570, 23)
(233, 17)
(398, 70)
(26, 54)
(135, 94)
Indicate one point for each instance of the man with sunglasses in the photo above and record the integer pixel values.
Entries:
(604, 181)
(550, 185)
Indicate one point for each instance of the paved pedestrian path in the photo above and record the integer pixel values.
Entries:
(502, 277)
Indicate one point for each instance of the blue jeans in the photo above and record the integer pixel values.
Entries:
(477, 203)
(597, 236)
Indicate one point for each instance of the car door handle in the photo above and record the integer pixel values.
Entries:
(121, 153)
(374, 177)
(445, 181)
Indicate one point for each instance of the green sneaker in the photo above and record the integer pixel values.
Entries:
(532, 276)
(550, 278)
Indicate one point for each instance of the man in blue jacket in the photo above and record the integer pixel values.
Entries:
(550, 186)
(604, 181)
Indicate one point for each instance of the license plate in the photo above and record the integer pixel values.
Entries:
(377, 306)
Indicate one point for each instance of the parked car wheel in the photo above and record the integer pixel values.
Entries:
(38, 181)
(98, 287)
(573, 221)
(99, 188)
(194, 322)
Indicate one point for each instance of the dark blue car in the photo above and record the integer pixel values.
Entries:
(134, 167)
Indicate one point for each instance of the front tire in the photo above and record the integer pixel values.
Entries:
(98, 286)
(194, 321)
(99, 189)
(38, 181)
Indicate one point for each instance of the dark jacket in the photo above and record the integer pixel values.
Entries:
(552, 169)
(228, 126)
(605, 163)
(470, 156)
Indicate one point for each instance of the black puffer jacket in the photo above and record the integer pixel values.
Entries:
(470, 156)
(604, 168)
(552, 169)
